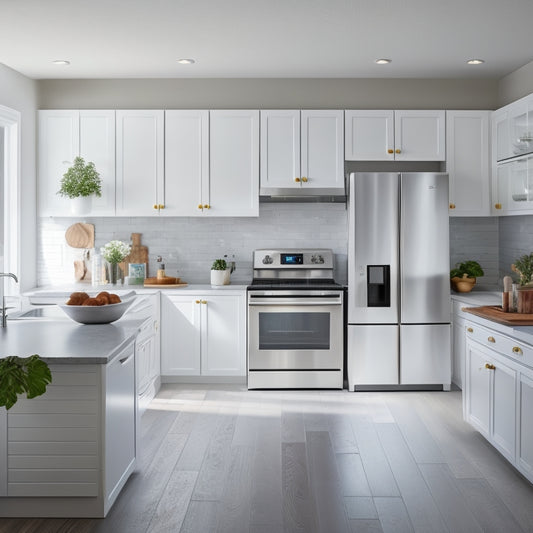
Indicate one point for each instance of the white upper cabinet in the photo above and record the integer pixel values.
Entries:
(140, 162)
(233, 188)
(369, 135)
(64, 135)
(467, 162)
(302, 151)
(186, 162)
(382, 135)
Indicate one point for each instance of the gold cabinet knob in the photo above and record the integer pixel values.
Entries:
(297, 180)
(517, 350)
(398, 151)
(155, 206)
(491, 339)
(203, 301)
(207, 206)
(488, 366)
(452, 206)
(497, 206)
(304, 179)
(200, 206)
(197, 301)
(470, 330)
(161, 206)
(390, 151)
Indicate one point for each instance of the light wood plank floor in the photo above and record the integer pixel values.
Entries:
(220, 458)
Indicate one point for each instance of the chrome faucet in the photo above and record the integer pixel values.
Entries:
(4, 308)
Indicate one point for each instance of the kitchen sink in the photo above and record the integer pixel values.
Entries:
(51, 311)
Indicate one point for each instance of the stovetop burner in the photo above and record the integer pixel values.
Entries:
(265, 284)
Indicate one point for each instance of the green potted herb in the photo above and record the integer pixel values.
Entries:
(20, 375)
(524, 267)
(80, 183)
(219, 272)
(464, 275)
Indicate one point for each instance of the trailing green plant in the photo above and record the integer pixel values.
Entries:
(20, 375)
(80, 180)
(219, 264)
(469, 269)
(524, 267)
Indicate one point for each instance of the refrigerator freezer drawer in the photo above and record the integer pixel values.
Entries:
(372, 355)
(426, 357)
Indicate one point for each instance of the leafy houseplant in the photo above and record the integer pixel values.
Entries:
(219, 272)
(524, 267)
(114, 252)
(19, 375)
(79, 183)
(463, 276)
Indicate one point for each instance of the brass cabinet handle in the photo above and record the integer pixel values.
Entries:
(155, 206)
(497, 206)
(203, 301)
(470, 330)
(197, 301)
(398, 151)
(390, 151)
(200, 206)
(304, 179)
(491, 339)
(161, 206)
(297, 180)
(517, 350)
(207, 206)
(452, 206)
(488, 366)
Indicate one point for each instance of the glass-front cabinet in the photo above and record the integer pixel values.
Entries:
(514, 187)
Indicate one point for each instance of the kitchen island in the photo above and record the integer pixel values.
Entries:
(69, 452)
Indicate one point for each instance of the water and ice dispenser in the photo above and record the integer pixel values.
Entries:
(378, 285)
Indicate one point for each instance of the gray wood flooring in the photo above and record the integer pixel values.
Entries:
(220, 458)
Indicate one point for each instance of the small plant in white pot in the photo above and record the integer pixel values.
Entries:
(80, 183)
(219, 272)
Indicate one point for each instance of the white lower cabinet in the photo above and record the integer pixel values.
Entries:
(203, 334)
(498, 393)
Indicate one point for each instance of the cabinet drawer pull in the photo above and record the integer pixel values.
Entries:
(452, 206)
(398, 151)
(497, 206)
(491, 339)
(200, 206)
(488, 366)
(517, 350)
(207, 206)
(203, 301)
(197, 301)
(297, 180)
(304, 179)
(390, 151)
(470, 330)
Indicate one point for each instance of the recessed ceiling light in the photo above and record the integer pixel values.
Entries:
(186, 61)
(383, 61)
(475, 61)
(61, 62)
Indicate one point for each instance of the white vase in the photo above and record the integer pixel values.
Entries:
(81, 205)
(217, 277)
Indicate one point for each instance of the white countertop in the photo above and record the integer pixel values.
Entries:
(475, 298)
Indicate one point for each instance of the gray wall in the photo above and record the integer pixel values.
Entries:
(516, 85)
(269, 93)
(515, 240)
(20, 93)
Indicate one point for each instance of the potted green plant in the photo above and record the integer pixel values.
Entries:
(464, 275)
(80, 183)
(114, 252)
(523, 266)
(219, 272)
(20, 375)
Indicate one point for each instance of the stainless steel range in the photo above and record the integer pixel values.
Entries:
(295, 321)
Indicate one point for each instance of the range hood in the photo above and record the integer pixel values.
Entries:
(294, 194)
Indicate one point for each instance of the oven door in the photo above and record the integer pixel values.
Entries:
(298, 330)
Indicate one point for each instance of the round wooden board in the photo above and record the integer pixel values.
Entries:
(80, 235)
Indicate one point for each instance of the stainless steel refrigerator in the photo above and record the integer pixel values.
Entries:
(398, 282)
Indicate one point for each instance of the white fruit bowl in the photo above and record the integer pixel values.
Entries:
(98, 314)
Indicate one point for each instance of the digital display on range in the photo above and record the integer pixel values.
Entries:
(292, 259)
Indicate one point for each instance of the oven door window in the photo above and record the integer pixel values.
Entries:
(294, 331)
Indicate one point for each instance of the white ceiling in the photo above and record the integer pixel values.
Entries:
(265, 38)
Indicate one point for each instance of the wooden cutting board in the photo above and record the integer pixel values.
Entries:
(138, 253)
(80, 235)
(496, 314)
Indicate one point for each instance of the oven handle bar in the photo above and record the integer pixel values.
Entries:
(274, 303)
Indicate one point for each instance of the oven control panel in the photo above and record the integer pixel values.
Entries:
(299, 259)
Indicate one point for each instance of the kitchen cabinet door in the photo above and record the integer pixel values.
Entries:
(369, 135)
(223, 335)
(458, 347)
(180, 335)
(233, 188)
(322, 149)
(186, 162)
(525, 439)
(419, 135)
(59, 144)
(477, 389)
(280, 149)
(140, 162)
(501, 145)
(467, 162)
